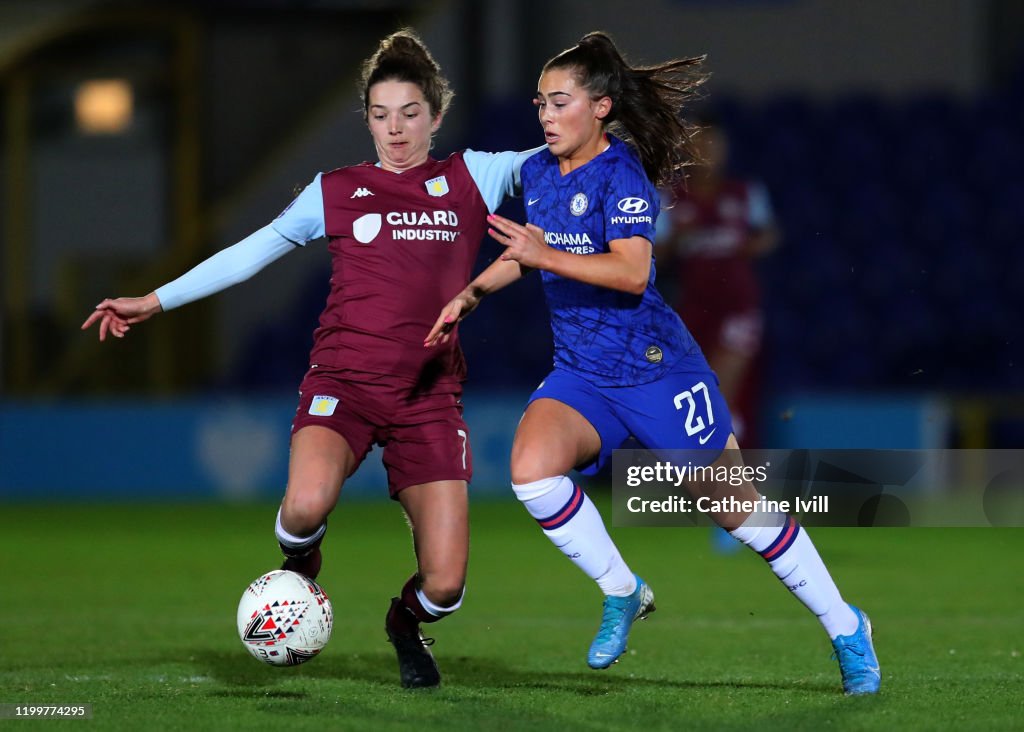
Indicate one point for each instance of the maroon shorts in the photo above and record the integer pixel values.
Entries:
(422, 433)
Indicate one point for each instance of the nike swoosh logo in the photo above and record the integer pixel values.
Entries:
(601, 655)
(532, 201)
(705, 438)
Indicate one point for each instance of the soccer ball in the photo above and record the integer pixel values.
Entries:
(284, 618)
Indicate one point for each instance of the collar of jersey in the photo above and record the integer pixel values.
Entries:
(428, 161)
(614, 144)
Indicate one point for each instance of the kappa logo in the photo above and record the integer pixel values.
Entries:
(361, 193)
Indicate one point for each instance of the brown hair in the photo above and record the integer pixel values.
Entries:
(647, 101)
(402, 56)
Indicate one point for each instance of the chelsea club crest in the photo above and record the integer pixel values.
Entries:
(578, 205)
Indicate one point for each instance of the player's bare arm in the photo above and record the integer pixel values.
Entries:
(626, 267)
(499, 274)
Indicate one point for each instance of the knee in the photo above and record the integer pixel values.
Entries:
(529, 466)
(534, 459)
(302, 513)
(524, 474)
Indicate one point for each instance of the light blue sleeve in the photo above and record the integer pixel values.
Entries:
(760, 207)
(303, 220)
(227, 267)
(497, 174)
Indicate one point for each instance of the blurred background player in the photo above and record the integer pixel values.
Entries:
(403, 234)
(625, 365)
(714, 227)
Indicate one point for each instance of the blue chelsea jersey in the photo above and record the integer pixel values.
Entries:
(613, 337)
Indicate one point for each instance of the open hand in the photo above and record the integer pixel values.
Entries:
(523, 244)
(460, 306)
(115, 316)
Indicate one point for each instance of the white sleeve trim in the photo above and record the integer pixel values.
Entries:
(227, 267)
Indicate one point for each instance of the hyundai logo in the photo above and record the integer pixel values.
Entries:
(633, 205)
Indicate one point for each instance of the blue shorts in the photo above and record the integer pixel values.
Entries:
(683, 410)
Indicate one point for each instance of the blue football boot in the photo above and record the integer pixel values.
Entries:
(618, 617)
(722, 542)
(857, 660)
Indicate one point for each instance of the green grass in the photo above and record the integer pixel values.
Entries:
(131, 608)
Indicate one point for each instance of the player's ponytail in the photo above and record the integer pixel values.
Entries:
(402, 56)
(647, 101)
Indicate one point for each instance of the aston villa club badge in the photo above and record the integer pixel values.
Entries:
(437, 186)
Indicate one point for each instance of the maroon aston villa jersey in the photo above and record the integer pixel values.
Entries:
(715, 271)
(402, 246)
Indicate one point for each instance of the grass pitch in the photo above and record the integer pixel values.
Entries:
(131, 609)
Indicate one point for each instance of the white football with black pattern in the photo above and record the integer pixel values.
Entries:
(284, 618)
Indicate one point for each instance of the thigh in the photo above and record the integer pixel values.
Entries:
(427, 441)
(320, 461)
(327, 400)
(331, 434)
(439, 515)
(684, 410)
(567, 425)
(723, 486)
(686, 416)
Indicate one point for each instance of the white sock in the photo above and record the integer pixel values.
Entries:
(572, 522)
(784, 544)
(436, 610)
(298, 545)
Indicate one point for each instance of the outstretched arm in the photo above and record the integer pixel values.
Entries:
(227, 267)
(498, 275)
